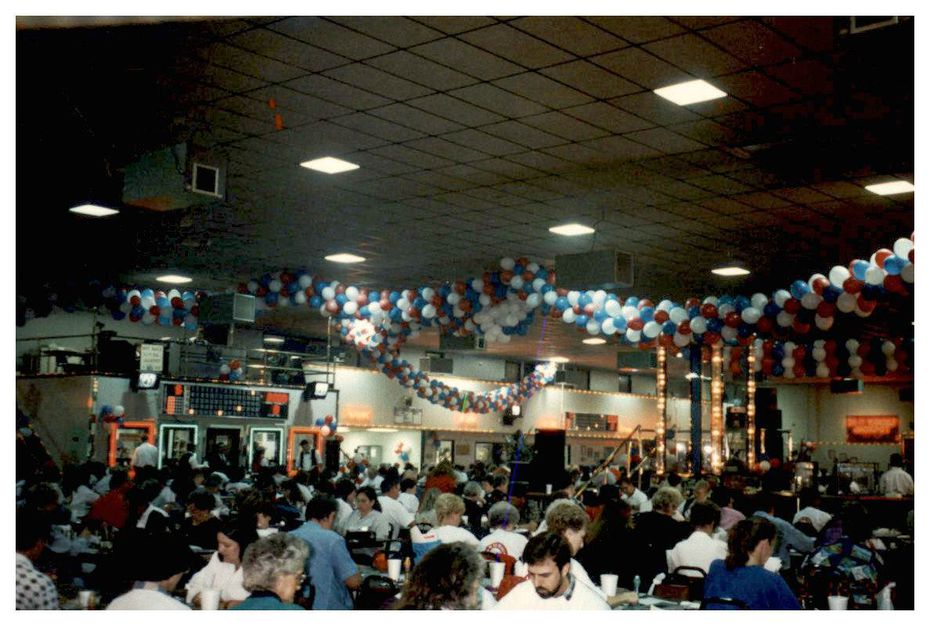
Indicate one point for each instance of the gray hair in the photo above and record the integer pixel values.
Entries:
(503, 514)
(666, 498)
(268, 558)
(558, 502)
(472, 489)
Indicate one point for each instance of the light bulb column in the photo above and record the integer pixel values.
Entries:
(716, 410)
(661, 390)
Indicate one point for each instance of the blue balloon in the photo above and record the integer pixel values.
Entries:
(724, 300)
(632, 301)
(669, 328)
(561, 303)
(871, 292)
(117, 314)
(138, 311)
(190, 325)
(744, 330)
(394, 297)
(778, 369)
(293, 287)
(859, 268)
(714, 324)
(600, 315)
(620, 324)
(581, 320)
(799, 288)
(771, 309)
(517, 269)
(741, 302)
(647, 313)
(694, 311)
(584, 300)
(894, 265)
(163, 302)
(546, 289)
(316, 301)
(831, 293)
(419, 303)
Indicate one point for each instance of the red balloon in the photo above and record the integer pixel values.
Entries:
(460, 287)
(235, 364)
(690, 302)
(910, 255)
(881, 256)
(635, 324)
(684, 328)
(732, 319)
(765, 325)
(800, 327)
(666, 341)
(588, 310)
(711, 338)
(799, 371)
(767, 365)
(864, 349)
(644, 303)
(867, 368)
(332, 306)
(242, 288)
(798, 353)
(832, 361)
(283, 292)
(708, 310)
(826, 309)
(261, 291)
(154, 310)
(286, 277)
(661, 316)
(340, 288)
(506, 276)
(819, 284)
(895, 284)
(829, 346)
(792, 305)
(647, 345)
(851, 285)
(386, 305)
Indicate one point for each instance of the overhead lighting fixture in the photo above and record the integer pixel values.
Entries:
(690, 92)
(329, 165)
(558, 359)
(730, 270)
(271, 339)
(890, 188)
(344, 257)
(571, 230)
(93, 210)
(381, 430)
(594, 341)
(174, 279)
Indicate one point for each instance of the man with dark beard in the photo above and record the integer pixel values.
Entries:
(551, 585)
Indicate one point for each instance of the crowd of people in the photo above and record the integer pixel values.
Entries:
(187, 537)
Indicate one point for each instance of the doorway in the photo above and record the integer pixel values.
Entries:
(222, 446)
(174, 441)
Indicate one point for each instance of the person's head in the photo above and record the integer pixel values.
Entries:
(42, 498)
(701, 490)
(449, 509)
(486, 483)
(503, 515)
(408, 485)
(548, 559)
(144, 438)
(276, 563)
(428, 503)
(390, 487)
(322, 510)
(673, 479)
(750, 542)
(233, 539)
(200, 504)
(472, 490)
(896, 460)
(213, 483)
(167, 559)
(568, 520)
(666, 500)
(856, 523)
(608, 493)
(304, 445)
(614, 519)
(500, 482)
(366, 500)
(345, 490)
(705, 516)
(33, 531)
(722, 497)
(198, 476)
(448, 577)
(627, 486)
(372, 473)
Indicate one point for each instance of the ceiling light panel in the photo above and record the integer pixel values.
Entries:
(690, 92)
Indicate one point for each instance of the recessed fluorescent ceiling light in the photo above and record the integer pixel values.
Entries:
(731, 270)
(571, 230)
(691, 92)
(558, 359)
(173, 279)
(344, 257)
(889, 188)
(274, 339)
(594, 341)
(329, 165)
(93, 210)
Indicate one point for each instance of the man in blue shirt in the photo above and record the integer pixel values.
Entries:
(788, 535)
(330, 567)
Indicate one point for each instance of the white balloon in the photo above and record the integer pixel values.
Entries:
(759, 300)
(274, 285)
(856, 373)
(507, 263)
(406, 315)
(665, 305)
(723, 309)
(787, 362)
(765, 466)
(784, 319)
(532, 268)
(823, 323)
(516, 282)
(814, 278)
(538, 284)
(613, 308)
(699, 325)
(477, 285)
(593, 327)
(681, 340)
(300, 297)
(710, 300)
(148, 318)
(892, 365)
(751, 315)
(823, 371)
(484, 299)
(781, 296)
(677, 314)
(810, 300)
(729, 333)
(888, 348)
(874, 275)
(846, 302)
(119, 411)
(789, 373)
(532, 301)
(429, 311)
(352, 293)
(457, 312)
(328, 293)
(608, 327)
(819, 354)
(304, 280)
(653, 328)
(550, 297)
(568, 316)
(903, 246)
(350, 308)
(907, 273)
(789, 346)
(573, 298)
(633, 335)
(629, 312)
(403, 304)
(855, 361)
(838, 275)
(852, 345)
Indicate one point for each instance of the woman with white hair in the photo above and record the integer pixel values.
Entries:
(503, 517)
(273, 571)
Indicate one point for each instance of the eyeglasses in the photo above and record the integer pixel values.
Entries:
(300, 578)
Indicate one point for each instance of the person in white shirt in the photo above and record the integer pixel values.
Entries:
(345, 497)
(568, 520)
(145, 454)
(224, 571)
(407, 497)
(157, 575)
(551, 585)
(308, 457)
(810, 498)
(896, 481)
(395, 512)
(366, 517)
(632, 496)
(503, 517)
(701, 548)
(449, 511)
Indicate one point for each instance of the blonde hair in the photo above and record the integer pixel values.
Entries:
(564, 516)
(448, 504)
(666, 498)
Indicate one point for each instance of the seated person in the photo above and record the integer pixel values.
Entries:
(701, 548)
(503, 517)
(741, 576)
(273, 572)
(201, 528)
(475, 508)
(449, 511)
(449, 578)
(144, 515)
(367, 515)
(723, 498)
(656, 532)
(811, 514)
(156, 576)
(224, 571)
(568, 520)
(408, 497)
(34, 590)
(609, 545)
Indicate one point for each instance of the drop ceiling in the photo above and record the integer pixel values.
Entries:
(473, 135)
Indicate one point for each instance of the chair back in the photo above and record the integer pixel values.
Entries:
(375, 593)
(508, 583)
(732, 604)
(695, 584)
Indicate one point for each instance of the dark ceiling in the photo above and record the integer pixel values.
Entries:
(474, 136)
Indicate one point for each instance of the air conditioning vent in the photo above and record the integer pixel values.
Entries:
(598, 269)
(228, 308)
(436, 365)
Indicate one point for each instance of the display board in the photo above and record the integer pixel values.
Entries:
(186, 399)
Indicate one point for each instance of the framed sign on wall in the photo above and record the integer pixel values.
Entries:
(873, 429)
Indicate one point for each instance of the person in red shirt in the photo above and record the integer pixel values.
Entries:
(442, 477)
(112, 508)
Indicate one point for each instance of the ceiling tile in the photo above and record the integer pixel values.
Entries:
(289, 101)
(755, 88)
(523, 135)
(331, 36)
(484, 142)
(638, 29)
(817, 34)
(472, 175)
(422, 71)
(562, 125)
(591, 79)
(454, 24)
(651, 107)
(516, 46)
(376, 81)
(406, 154)
(608, 117)
(570, 33)
(808, 77)
(763, 200)
(722, 185)
(496, 99)
(541, 161)
(752, 42)
(277, 46)
(707, 132)
(452, 151)
(642, 68)
(466, 58)
(456, 110)
(398, 31)
(337, 92)
(245, 62)
(509, 168)
(543, 90)
(415, 118)
(377, 127)
(695, 56)
(702, 21)
(665, 140)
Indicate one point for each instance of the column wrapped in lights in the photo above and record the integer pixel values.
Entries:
(750, 408)
(716, 410)
(661, 389)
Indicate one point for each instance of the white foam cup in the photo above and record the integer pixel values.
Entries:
(86, 598)
(497, 574)
(609, 584)
(394, 569)
(210, 599)
(548, 489)
(837, 603)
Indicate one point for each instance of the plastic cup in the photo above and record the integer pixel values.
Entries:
(548, 489)
(210, 599)
(86, 598)
(609, 584)
(497, 574)
(394, 569)
(837, 603)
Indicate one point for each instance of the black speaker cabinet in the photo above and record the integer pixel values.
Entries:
(548, 466)
(332, 455)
